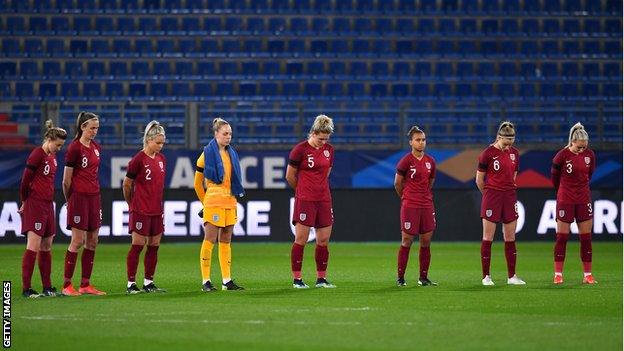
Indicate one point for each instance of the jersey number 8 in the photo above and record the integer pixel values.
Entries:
(85, 162)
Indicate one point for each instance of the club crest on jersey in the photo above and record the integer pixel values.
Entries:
(97, 153)
(488, 213)
(302, 216)
(37, 226)
(512, 157)
(326, 153)
(407, 225)
(160, 163)
(561, 213)
(428, 165)
(76, 219)
(139, 225)
(587, 160)
(55, 164)
(215, 217)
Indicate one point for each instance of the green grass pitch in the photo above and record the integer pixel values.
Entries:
(366, 312)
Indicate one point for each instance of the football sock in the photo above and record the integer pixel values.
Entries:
(205, 256)
(586, 251)
(296, 259)
(147, 282)
(70, 265)
(225, 261)
(486, 256)
(402, 259)
(321, 256)
(560, 251)
(28, 266)
(132, 261)
(149, 261)
(510, 256)
(424, 257)
(87, 266)
(45, 268)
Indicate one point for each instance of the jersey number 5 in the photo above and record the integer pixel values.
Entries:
(310, 161)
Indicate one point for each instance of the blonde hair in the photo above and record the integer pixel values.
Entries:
(322, 124)
(50, 132)
(152, 129)
(413, 130)
(217, 123)
(83, 117)
(506, 129)
(577, 132)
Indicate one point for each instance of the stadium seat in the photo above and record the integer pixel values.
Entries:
(92, 91)
(34, 47)
(96, 69)
(100, 48)
(56, 47)
(114, 91)
(271, 68)
(140, 69)
(52, 69)
(122, 48)
(28, 69)
(104, 25)
(16, 25)
(277, 25)
(70, 90)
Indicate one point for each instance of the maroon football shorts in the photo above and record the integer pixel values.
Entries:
(579, 212)
(84, 211)
(417, 220)
(38, 217)
(499, 206)
(146, 225)
(317, 214)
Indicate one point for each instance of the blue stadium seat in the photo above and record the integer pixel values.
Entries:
(485, 91)
(339, 46)
(341, 25)
(443, 91)
(268, 89)
(271, 68)
(100, 48)
(299, 25)
(530, 26)
(28, 69)
(550, 26)
(446, 48)
(423, 69)
(421, 90)
(320, 25)
(82, 25)
(571, 48)
(169, 25)
(56, 47)
(105, 25)
(405, 25)
(275, 46)
(465, 70)
(443, 69)
(592, 27)
(549, 70)
(464, 91)
(16, 25)
(296, 46)
(507, 69)
(614, 26)
(148, 25)
(181, 90)
(8, 69)
(613, 48)
(358, 68)
(363, 25)
(231, 46)
(489, 26)
(294, 68)
(423, 47)
(379, 90)
(70, 90)
(183, 69)
(612, 71)
(550, 48)
(355, 89)
(37, 24)
(529, 48)
(383, 25)
(552, 7)
(380, 69)
(52, 69)
(591, 47)
(140, 69)
(506, 90)
(291, 89)
(202, 89)
(361, 47)
(277, 25)
(60, 25)
(24, 90)
(591, 70)
(315, 69)
(96, 69)
(165, 46)
(126, 25)
(250, 68)
(162, 69)
(400, 90)
(34, 47)
(144, 47)
(337, 68)
(79, 48)
(468, 48)
(401, 69)
(572, 27)
(228, 68)
(122, 48)
(92, 91)
(313, 89)
(47, 90)
(209, 46)
(212, 24)
(319, 5)
(570, 70)
(590, 90)
(333, 90)
(158, 90)
(191, 25)
(137, 90)
(318, 46)
(114, 91)
(532, 6)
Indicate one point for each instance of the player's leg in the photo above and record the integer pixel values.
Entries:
(132, 260)
(509, 234)
(561, 240)
(45, 266)
(211, 231)
(321, 256)
(489, 228)
(77, 241)
(424, 258)
(87, 260)
(225, 256)
(585, 230)
(28, 263)
(151, 260)
(403, 256)
(302, 233)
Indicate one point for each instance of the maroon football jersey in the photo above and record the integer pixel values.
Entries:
(499, 167)
(149, 183)
(85, 161)
(575, 173)
(313, 166)
(42, 185)
(416, 175)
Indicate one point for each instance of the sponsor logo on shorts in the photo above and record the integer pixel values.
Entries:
(76, 219)
(407, 225)
(37, 226)
(302, 216)
(561, 213)
(488, 213)
(139, 225)
(215, 217)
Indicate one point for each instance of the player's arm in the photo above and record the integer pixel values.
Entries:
(329, 172)
(67, 181)
(27, 178)
(555, 172)
(398, 184)
(291, 176)
(198, 184)
(431, 181)
(480, 180)
(127, 189)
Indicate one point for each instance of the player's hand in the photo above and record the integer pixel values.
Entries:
(21, 209)
(201, 213)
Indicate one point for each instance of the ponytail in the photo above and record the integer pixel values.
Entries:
(322, 124)
(152, 129)
(217, 123)
(577, 132)
(83, 117)
(50, 132)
